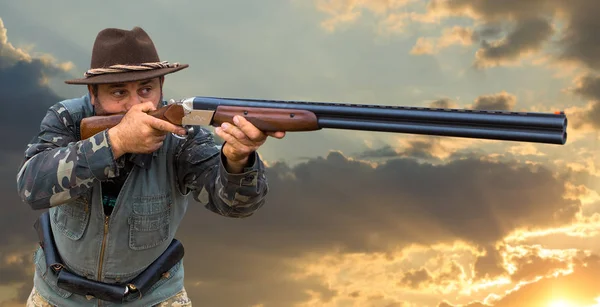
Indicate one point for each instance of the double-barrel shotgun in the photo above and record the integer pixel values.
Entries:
(298, 116)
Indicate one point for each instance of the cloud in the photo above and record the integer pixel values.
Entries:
(530, 267)
(528, 27)
(444, 103)
(475, 304)
(16, 269)
(25, 98)
(580, 42)
(527, 37)
(577, 288)
(490, 265)
(347, 11)
(24, 91)
(506, 31)
(588, 86)
(586, 118)
(501, 101)
(455, 35)
(468, 200)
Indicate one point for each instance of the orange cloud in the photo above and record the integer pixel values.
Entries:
(455, 35)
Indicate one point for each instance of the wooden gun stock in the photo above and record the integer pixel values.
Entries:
(91, 125)
(269, 120)
(265, 119)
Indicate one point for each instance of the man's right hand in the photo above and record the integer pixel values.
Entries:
(139, 132)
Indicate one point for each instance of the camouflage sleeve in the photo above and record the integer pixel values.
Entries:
(200, 169)
(57, 167)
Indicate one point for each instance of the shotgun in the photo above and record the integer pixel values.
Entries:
(298, 116)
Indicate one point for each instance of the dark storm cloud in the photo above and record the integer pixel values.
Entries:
(322, 204)
(421, 148)
(528, 35)
(14, 268)
(25, 96)
(527, 27)
(581, 42)
(24, 100)
(489, 265)
(16, 271)
(501, 101)
(444, 103)
(588, 87)
(415, 278)
(497, 101)
(531, 266)
(383, 152)
(422, 278)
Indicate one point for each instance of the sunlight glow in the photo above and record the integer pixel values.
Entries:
(560, 304)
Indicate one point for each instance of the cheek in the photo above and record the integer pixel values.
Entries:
(154, 96)
(106, 108)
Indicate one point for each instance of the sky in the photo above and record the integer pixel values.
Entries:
(353, 218)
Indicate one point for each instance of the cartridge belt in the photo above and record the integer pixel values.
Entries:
(112, 292)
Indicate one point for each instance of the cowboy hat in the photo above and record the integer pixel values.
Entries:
(123, 56)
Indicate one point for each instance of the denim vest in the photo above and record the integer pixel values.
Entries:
(145, 219)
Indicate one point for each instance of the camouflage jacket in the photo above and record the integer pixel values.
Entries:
(65, 174)
(58, 167)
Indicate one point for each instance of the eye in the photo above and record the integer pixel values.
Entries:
(118, 93)
(146, 90)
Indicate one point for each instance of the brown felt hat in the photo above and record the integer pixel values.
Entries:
(122, 56)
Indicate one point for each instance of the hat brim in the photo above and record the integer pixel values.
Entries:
(127, 76)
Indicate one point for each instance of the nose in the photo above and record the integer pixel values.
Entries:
(133, 100)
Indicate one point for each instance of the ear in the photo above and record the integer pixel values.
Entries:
(92, 97)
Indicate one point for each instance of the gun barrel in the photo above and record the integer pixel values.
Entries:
(500, 125)
(506, 134)
(416, 114)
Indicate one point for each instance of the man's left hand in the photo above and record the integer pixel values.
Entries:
(241, 139)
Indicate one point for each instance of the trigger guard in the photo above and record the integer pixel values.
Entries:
(181, 137)
(190, 131)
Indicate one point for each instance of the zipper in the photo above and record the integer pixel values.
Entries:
(106, 219)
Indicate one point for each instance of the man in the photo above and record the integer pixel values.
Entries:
(116, 199)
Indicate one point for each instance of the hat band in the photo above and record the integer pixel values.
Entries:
(119, 68)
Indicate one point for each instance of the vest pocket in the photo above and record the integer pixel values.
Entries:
(149, 222)
(72, 218)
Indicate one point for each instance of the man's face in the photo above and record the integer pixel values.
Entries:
(120, 97)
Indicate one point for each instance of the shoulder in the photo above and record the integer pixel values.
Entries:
(79, 107)
(67, 114)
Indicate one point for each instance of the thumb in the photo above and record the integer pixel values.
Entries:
(164, 125)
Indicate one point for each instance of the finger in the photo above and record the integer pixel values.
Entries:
(276, 134)
(233, 142)
(145, 106)
(249, 129)
(235, 132)
(165, 126)
(158, 138)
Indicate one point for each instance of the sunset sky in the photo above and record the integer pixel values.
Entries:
(353, 219)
